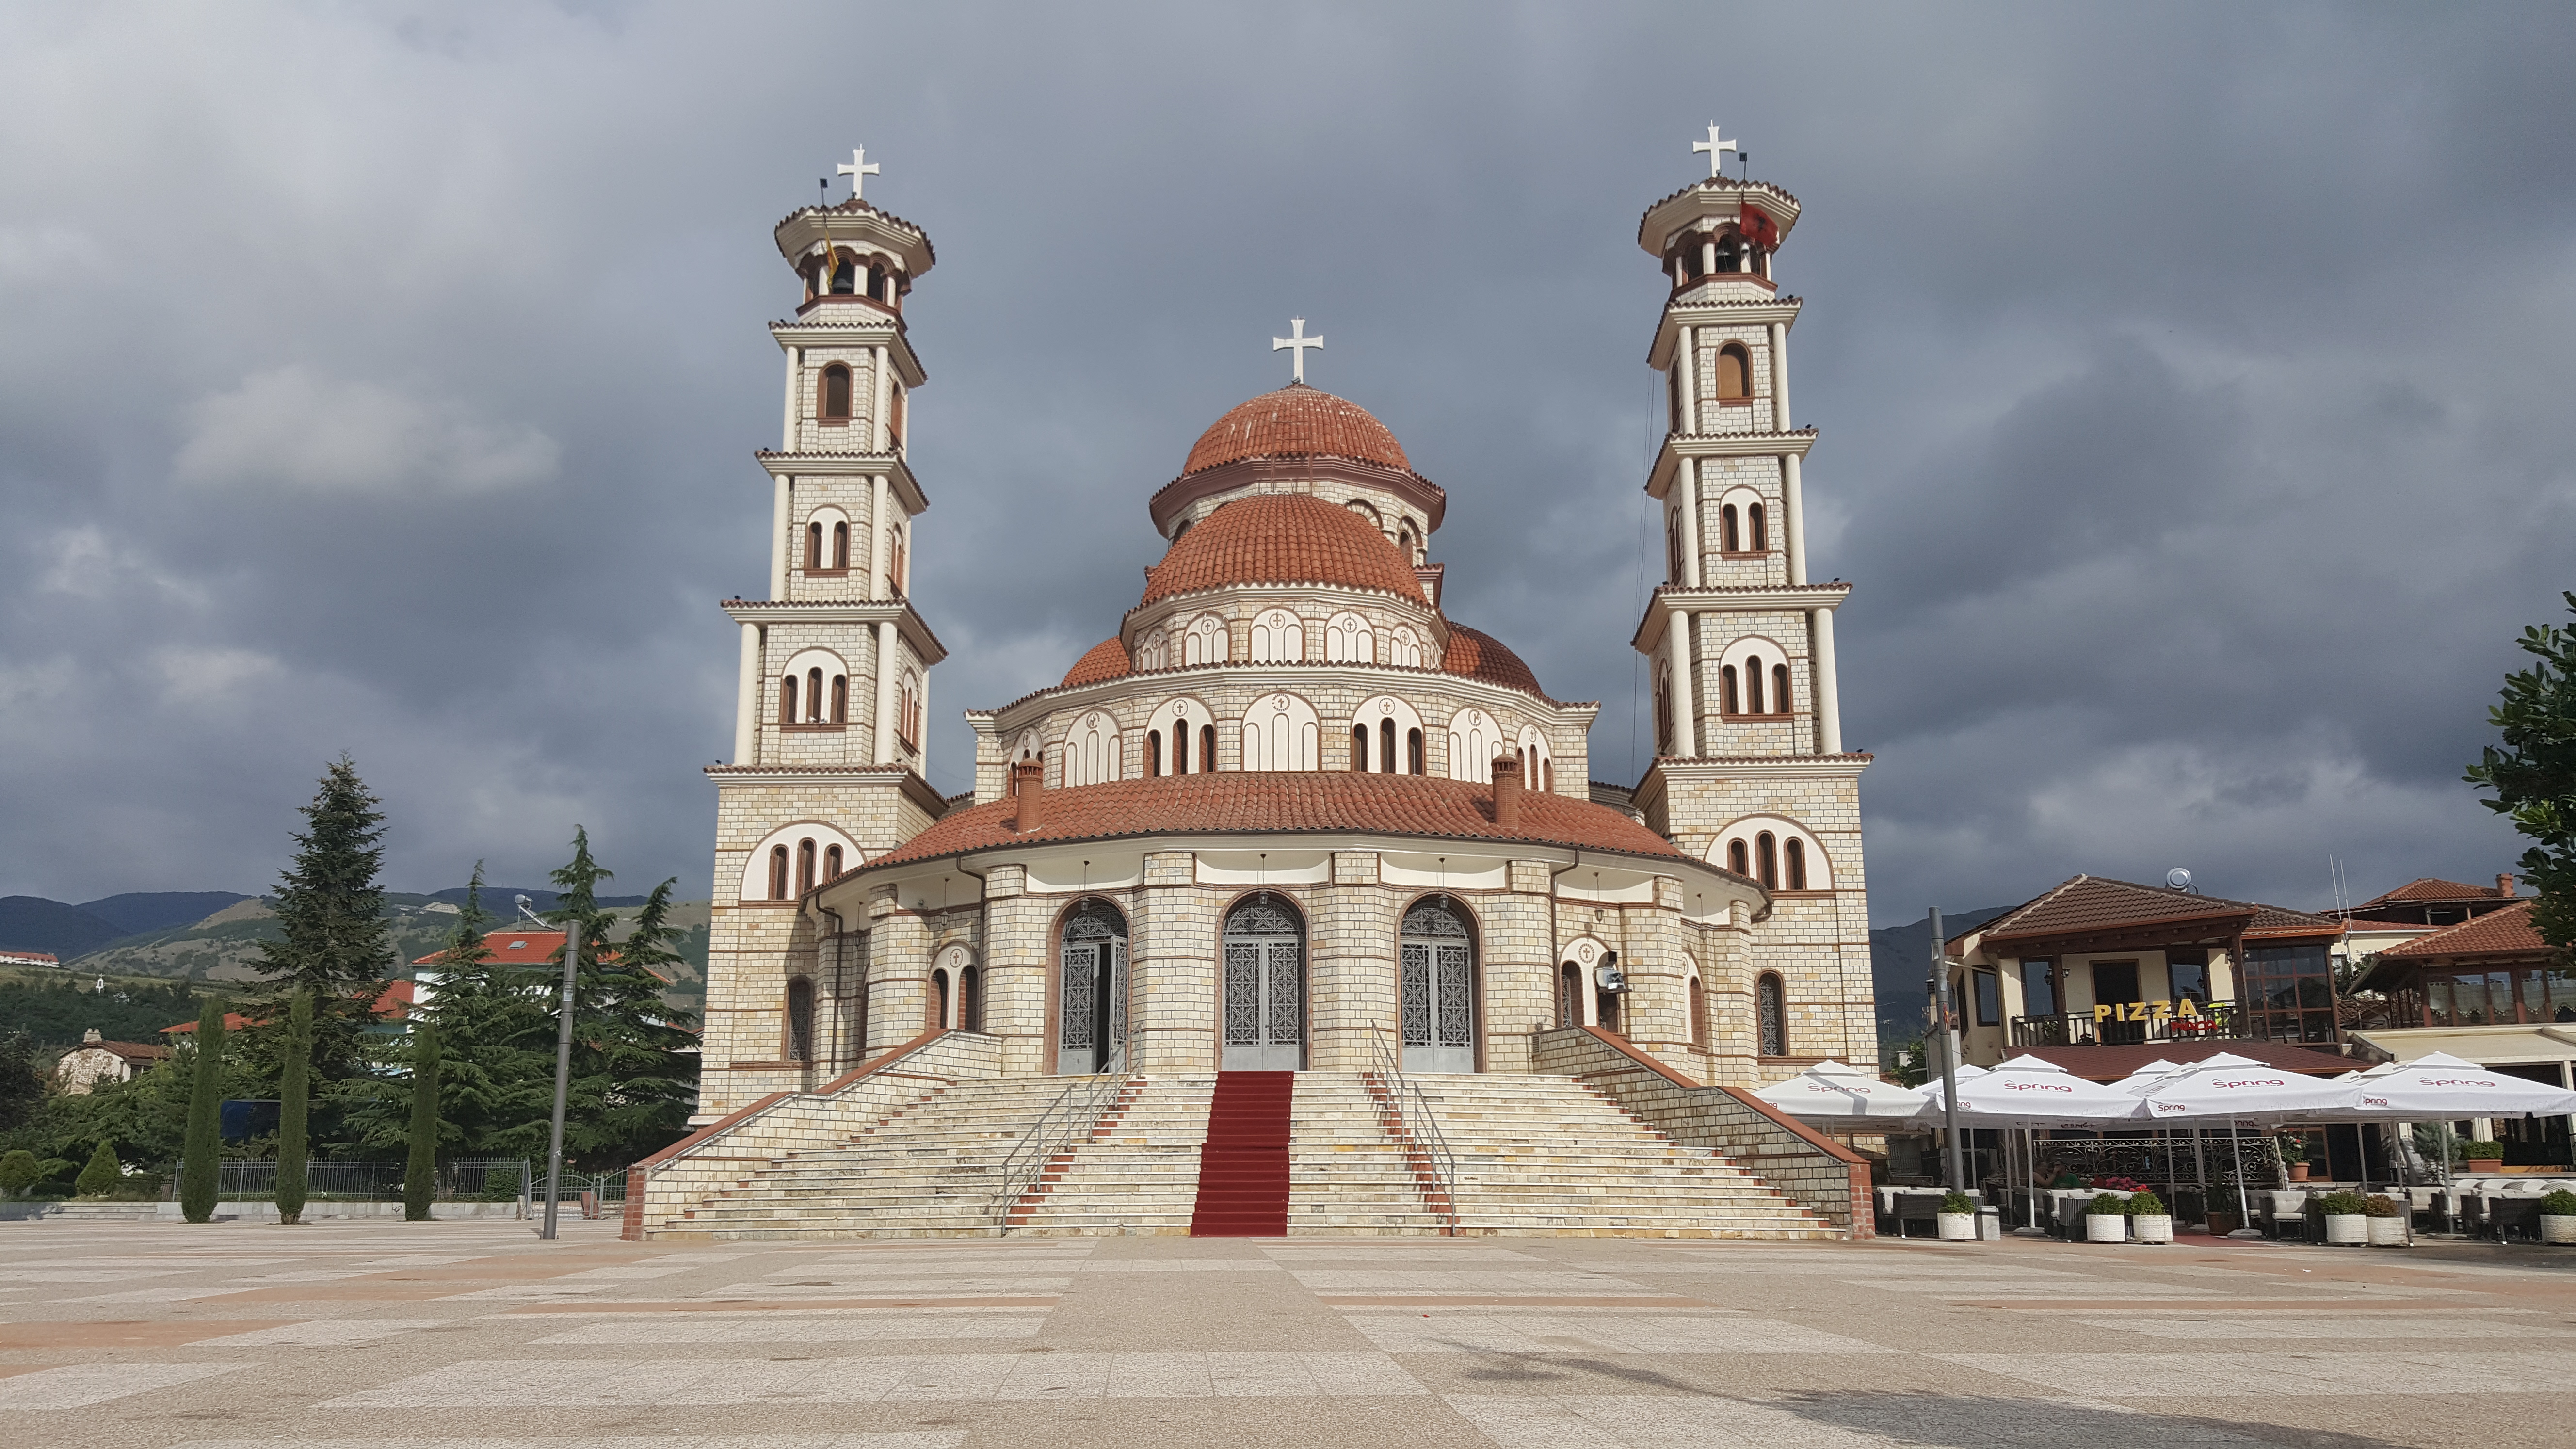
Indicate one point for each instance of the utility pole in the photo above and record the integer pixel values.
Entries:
(1949, 1055)
(563, 1067)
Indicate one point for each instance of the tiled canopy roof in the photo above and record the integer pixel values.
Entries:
(2429, 889)
(2496, 933)
(1297, 421)
(132, 1051)
(1106, 660)
(1481, 656)
(2111, 1063)
(1284, 802)
(1281, 538)
(2090, 903)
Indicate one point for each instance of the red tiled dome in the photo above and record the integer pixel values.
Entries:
(1297, 421)
(1282, 538)
(1105, 660)
(1482, 656)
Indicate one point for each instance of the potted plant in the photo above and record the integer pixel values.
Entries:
(2558, 1217)
(2347, 1219)
(2387, 1220)
(2107, 1221)
(2482, 1156)
(1957, 1218)
(2294, 1156)
(2149, 1222)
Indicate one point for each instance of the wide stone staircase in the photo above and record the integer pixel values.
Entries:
(1524, 1155)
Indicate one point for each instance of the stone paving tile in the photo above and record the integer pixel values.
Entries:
(77, 1386)
(1427, 1282)
(923, 1439)
(2237, 1372)
(1521, 1333)
(328, 1332)
(818, 1328)
(2368, 1326)
(1822, 1422)
(656, 1383)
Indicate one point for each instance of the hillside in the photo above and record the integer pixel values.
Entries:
(33, 923)
(1900, 958)
(139, 911)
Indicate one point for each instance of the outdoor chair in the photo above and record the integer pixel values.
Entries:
(1918, 1207)
(2514, 1219)
(2286, 1214)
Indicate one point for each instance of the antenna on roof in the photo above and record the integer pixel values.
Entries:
(2178, 878)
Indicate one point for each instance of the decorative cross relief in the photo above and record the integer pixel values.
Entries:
(1716, 146)
(1298, 341)
(859, 168)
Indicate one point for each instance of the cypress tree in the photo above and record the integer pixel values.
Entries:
(334, 940)
(198, 1169)
(103, 1173)
(420, 1177)
(291, 1092)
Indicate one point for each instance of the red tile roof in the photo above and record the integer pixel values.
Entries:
(1283, 802)
(1479, 655)
(1106, 660)
(131, 1051)
(1281, 538)
(2427, 888)
(2497, 933)
(2090, 903)
(2111, 1063)
(395, 1001)
(1297, 421)
(512, 948)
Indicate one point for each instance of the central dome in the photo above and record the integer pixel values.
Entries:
(1282, 538)
(1297, 421)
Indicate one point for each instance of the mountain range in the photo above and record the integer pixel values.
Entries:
(1900, 958)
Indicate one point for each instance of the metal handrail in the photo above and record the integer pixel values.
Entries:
(1063, 1120)
(1413, 1114)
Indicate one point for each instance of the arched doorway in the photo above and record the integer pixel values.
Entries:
(1091, 990)
(1265, 986)
(1439, 968)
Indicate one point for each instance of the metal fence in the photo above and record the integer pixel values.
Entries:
(458, 1179)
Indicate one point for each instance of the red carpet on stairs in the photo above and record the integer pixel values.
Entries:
(1243, 1169)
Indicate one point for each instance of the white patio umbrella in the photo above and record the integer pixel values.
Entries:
(2233, 1088)
(2439, 1086)
(1832, 1091)
(2033, 1093)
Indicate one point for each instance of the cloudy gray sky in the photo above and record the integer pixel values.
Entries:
(2193, 385)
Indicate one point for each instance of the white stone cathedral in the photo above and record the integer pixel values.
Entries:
(1289, 815)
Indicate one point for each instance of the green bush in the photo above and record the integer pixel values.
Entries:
(2381, 1205)
(2559, 1204)
(18, 1172)
(1958, 1202)
(2482, 1152)
(501, 1184)
(54, 1177)
(2109, 1205)
(2145, 1204)
(103, 1173)
(2343, 1204)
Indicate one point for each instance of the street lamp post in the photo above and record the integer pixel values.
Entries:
(563, 1067)
(1949, 1054)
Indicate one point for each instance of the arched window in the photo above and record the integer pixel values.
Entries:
(939, 1002)
(1091, 750)
(804, 866)
(897, 561)
(907, 719)
(813, 546)
(1771, 1015)
(840, 699)
(1414, 762)
(1766, 861)
(799, 1046)
(1264, 1011)
(1386, 745)
(970, 999)
(814, 695)
(1181, 748)
(1732, 541)
(1538, 762)
(1091, 989)
(787, 700)
(1474, 740)
(1734, 372)
(834, 404)
(1404, 648)
(1278, 635)
(1438, 968)
(1348, 639)
(1796, 851)
(1663, 712)
(1207, 748)
(1280, 732)
(1777, 851)
(831, 862)
(1673, 546)
(1779, 689)
(778, 873)
(877, 281)
(1359, 749)
(1726, 698)
(1153, 754)
(1753, 685)
(841, 545)
(1698, 1014)
(1204, 642)
(1738, 859)
(1760, 531)
(1569, 995)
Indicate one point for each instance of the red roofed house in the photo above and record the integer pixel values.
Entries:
(1289, 815)
(28, 958)
(393, 1004)
(97, 1060)
(2486, 989)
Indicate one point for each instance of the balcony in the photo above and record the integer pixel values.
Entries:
(2134, 1023)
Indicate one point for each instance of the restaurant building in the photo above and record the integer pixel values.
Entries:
(2488, 990)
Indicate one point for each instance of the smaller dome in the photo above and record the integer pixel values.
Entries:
(1105, 660)
(1482, 656)
(1297, 421)
(1281, 538)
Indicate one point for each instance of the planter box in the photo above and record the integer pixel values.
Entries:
(2390, 1232)
(1957, 1227)
(2221, 1224)
(2557, 1228)
(2106, 1228)
(2483, 1164)
(2347, 1229)
(2151, 1227)
(2298, 1171)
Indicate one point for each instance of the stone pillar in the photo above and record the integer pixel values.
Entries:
(1686, 363)
(1708, 254)
(1780, 376)
(1686, 486)
(1793, 518)
(746, 709)
(886, 653)
(877, 419)
(1829, 709)
(879, 565)
(795, 389)
(782, 497)
(921, 700)
(1678, 649)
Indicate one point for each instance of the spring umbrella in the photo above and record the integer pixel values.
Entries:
(2034, 1093)
(2441, 1087)
(1832, 1091)
(2232, 1088)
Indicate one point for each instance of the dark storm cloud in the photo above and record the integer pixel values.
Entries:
(2191, 382)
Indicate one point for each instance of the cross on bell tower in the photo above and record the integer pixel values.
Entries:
(859, 168)
(1297, 341)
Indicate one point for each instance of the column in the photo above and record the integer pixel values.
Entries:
(1829, 707)
(1686, 487)
(746, 708)
(1793, 518)
(886, 654)
(921, 761)
(1780, 376)
(877, 419)
(795, 386)
(1686, 362)
(877, 561)
(781, 496)
(1708, 254)
(1685, 687)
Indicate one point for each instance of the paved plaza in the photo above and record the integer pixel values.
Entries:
(386, 1335)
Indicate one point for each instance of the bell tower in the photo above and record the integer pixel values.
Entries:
(832, 704)
(1750, 772)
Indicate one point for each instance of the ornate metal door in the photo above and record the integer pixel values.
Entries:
(1265, 989)
(1091, 996)
(1439, 1007)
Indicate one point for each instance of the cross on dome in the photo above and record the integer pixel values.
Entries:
(1716, 146)
(1298, 341)
(859, 168)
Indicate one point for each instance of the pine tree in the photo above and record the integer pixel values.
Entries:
(496, 1041)
(291, 1094)
(420, 1176)
(335, 941)
(198, 1170)
(103, 1173)
(633, 1078)
(2534, 775)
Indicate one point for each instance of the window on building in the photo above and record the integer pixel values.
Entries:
(1738, 858)
(800, 1019)
(1673, 546)
(1795, 850)
(814, 695)
(1698, 1014)
(1359, 749)
(840, 699)
(1766, 860)
(1753, 685)
(834, 404)
(970, 999)
(1386, 746)
(1771, 1015)
(841, 545)
(2289, 992)
(813, 546)
(1729, 532)
(1757, 528)
(1779, 689)
(1729, 698)
(877, 280)
(787, 699)
(2188, 973)
(939, 1001)
(1153, 754)
(1207, 748)
(897, 564)
(778, 873)
(1414, 762)
(831, 862)
(1989, 992)
(1734, 372)
(2038, 991)
(804, 865)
